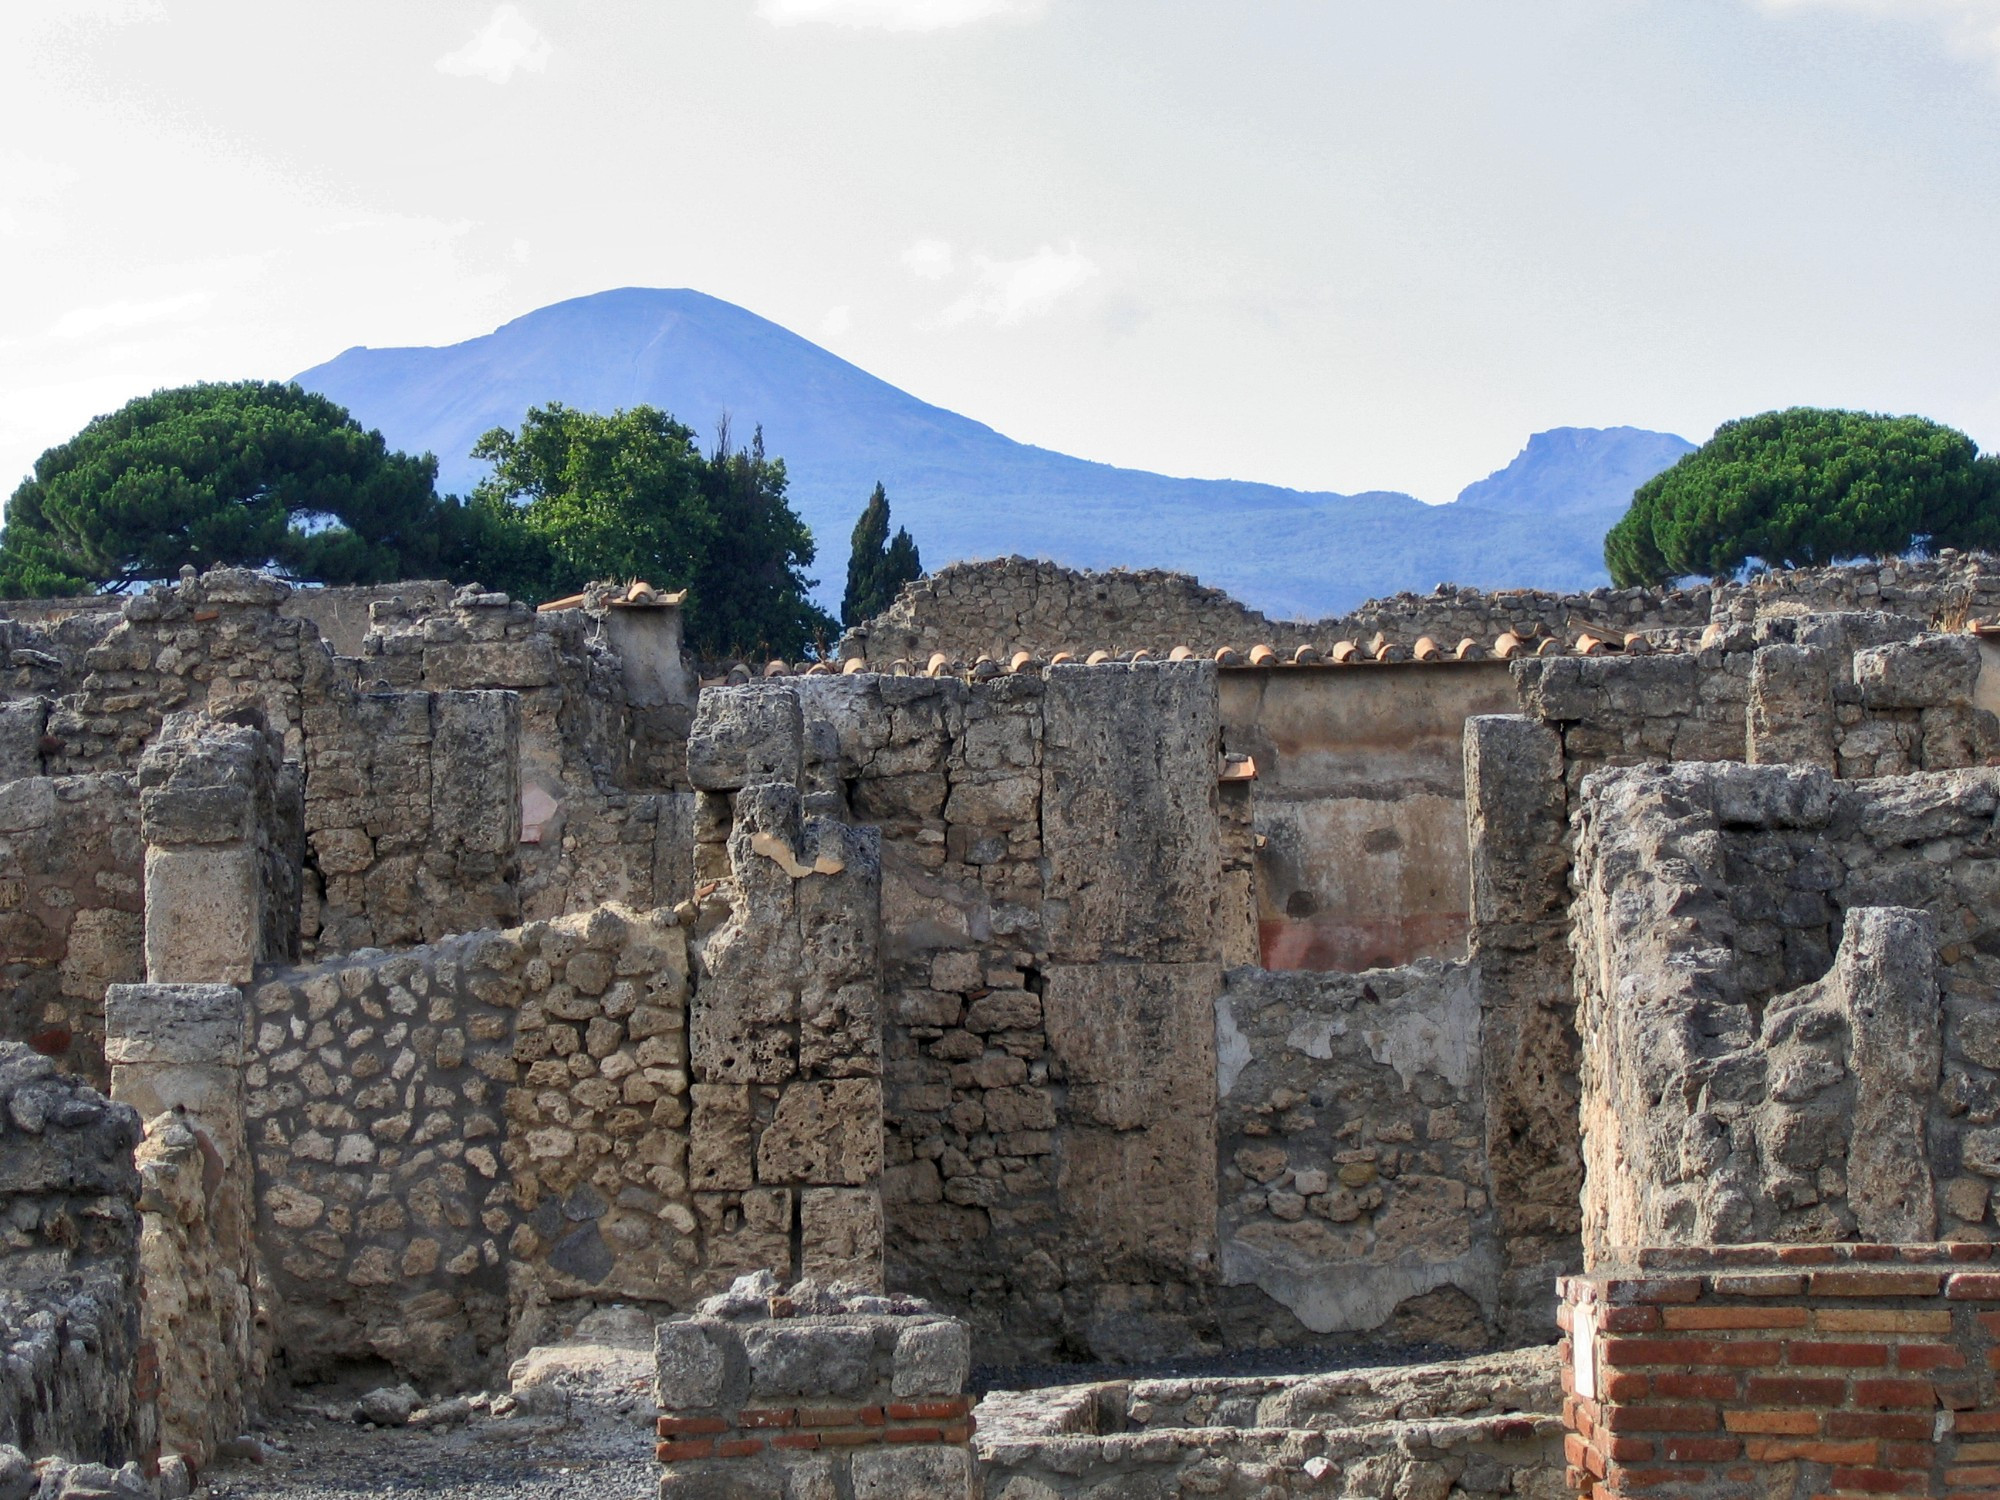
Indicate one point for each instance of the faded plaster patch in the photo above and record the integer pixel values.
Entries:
(1232, 1048)
(780, 853)
(1444, 1040)
(1314, 1036)
(1354, 1296)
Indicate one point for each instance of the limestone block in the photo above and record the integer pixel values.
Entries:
(106, 946)
(933, 1359)
(807, 1357)
(204, 914)
(475, 773)
(719, 1157)
(824, 1133)
(196, 1025)
(177, 814)
(1791, 716)
(840, 1029)
(1515, 819)
(690, 1365)
(1130, 826)
(743, 1233)
(840, 1236)
(1143, 1199)
(892, 1473)
(22, 724)
(746, 735)
(525, 663)
(723, 1479)
(1886, 970)
(1148, 1029)
(1932, 671)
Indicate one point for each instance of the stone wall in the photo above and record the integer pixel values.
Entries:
(450, 1139)
(1784, 1371)
(996, 608)
(73, 1377)
(1743, 1080)
(72, 899)
(768, 1393)
(1351, 1134)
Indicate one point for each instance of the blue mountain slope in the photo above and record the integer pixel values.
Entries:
(963, 489)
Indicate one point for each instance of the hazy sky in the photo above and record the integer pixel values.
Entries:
(1330, 243)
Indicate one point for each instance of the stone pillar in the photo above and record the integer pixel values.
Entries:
(785, 1026)
(208, 813)
(176, 1053)
(1516, 810)
(768, 1395)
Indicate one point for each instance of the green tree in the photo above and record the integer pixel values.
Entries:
(877, 567)
(1803, 488)
(631, 495)
(252, 474)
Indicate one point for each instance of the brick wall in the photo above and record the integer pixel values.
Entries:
(1780, 1371)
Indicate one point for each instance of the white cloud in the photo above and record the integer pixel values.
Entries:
(116, 317)
(837, 321)
(1970, 25)
(895, 15)
(930, 259)
(508, 44)
(1009, 291)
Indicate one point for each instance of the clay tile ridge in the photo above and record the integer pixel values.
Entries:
(1470, 650)
(1306, 656)
(1343, 653)
(1181, 653)
(1507, 644)
(1261, 655)
(1426, 649)
(1228, 656)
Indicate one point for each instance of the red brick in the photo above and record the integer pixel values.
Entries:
(1973, 1286)
(804, 1441)
(1660, 1418)
(1682, 1387)
(666, 1453)
(1629, 1450)
(1576, 1451)
(671, 1427)
(739, 1447)
(1790, 1423)
(1907, 1456)
(1643, 1319)
(1809, 1450)
(1876, 1282)
(1929, 1357)
(1990, 1322)
(905, 1411)
(1982, 1474)
(1702, 1450)
(1848, 1356)
(1806, 1255)
(912, 1434)
(1736, 1352)
(849, 1437)
(1626, 1291)
(1760, 1284)
(959, 1431)
(1880, 1482)
(1632, 1481)
(1894, 1393)
(767, 1416)
(1622, 1385)
(1734, 1317)
(1775, 1390)
(1976, 1421)
(1877, 1424)
(840, 1416)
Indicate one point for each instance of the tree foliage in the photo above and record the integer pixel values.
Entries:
(877, 566)
(631, 495)
(252, 473)
(1804, 488)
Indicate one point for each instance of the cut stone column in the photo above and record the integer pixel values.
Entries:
(1516, 808)
(176, 1053)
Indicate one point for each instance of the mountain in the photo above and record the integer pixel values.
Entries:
(966, 491)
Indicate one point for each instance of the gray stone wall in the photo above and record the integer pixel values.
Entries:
(1014, 604)
(74, 1378)
(1351, 1133)
(72, 898)
(451, 1139)
(1784, 996)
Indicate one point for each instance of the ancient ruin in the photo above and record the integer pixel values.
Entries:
(1510, 1044)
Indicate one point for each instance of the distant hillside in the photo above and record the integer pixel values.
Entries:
(966, 491)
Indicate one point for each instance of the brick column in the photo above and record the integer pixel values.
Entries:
(1794, 1370)
(768, 1395)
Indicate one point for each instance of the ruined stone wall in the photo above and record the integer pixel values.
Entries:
(1742, 1079)
(451, 1138)
(1351, 1132)
(996, 608)
(344, 616)
(72, 898)
(74, 1374)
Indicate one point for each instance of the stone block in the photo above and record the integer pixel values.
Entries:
(22, 725)
(932, 1359)
(936, 1473)
(1130, 826)
(719, 1157)
(746, 735)
(808, 1357)
(824, 1134)
(526, 663)
(475, 773)
(690, 1364)
(198, 814)
(1933, 671)
(204, 914)
(198, 1025)
(840, 1236)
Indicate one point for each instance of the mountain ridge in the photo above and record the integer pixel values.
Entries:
(965, 490)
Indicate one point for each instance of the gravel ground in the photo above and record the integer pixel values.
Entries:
(1243, 1363)
(555, 1457)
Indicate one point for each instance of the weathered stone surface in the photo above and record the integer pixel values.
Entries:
(914, 1470)
(809, 1356)
(746, 735)
(1929, 672)
(824, 1134)
(933, 1359)
(691, 1366)
(840, 1236)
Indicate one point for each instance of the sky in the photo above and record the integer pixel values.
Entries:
(1334, 244)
